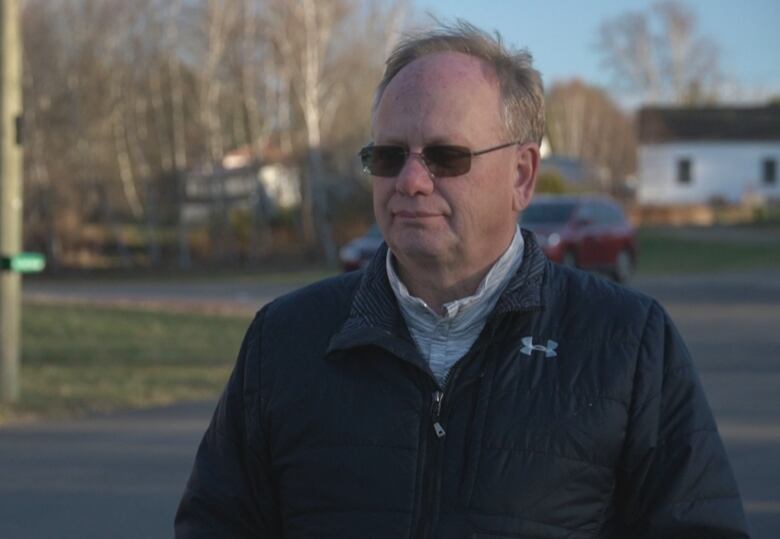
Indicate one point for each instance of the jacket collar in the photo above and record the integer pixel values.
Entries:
(375, 318)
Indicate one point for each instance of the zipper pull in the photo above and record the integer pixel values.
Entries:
(438, 396)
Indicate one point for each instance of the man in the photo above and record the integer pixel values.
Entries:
(461, 386)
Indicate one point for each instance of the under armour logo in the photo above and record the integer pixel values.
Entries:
(529, 346)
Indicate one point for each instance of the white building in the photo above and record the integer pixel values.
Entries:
(240, 185)
(698, 155)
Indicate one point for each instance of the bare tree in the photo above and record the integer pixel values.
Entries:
(66, 74)
(657, 55)
(302, 32)
(124, 98)
(329, 53)
(583, 122)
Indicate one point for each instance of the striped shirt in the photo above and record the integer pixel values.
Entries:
(443, 340)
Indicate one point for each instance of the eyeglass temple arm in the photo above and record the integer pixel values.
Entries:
(494, 148)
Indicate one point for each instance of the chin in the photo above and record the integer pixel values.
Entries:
(421, 249)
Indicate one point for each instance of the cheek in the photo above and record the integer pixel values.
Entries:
(381, 198)
(489, 204)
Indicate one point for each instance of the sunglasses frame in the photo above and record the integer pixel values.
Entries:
(365, 153)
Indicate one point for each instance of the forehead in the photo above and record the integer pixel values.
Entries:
(442, 69)
(441, 91)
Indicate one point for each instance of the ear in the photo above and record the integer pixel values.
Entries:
(528, 158)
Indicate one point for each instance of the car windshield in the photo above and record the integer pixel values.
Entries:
(547, 213)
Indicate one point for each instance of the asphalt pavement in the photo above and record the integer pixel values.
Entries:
(117, 476)
(120, 476)
(237, 296)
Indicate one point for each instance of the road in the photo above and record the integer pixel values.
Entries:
(120, 476)
(240, 295)
(111, 477)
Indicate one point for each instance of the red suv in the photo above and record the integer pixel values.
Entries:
(588, 232)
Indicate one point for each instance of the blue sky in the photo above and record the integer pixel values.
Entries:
(561, 35)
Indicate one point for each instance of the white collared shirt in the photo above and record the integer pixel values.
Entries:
(443, 340)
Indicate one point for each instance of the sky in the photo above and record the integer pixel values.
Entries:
(561, 35)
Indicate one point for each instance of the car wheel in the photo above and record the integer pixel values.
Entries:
(569, 259)
(624, 266)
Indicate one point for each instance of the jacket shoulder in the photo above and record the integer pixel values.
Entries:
(336, 291)
(314, 307)
(301, 323)
(593, 306)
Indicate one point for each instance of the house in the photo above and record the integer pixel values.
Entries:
(703, 155)
(239, 182)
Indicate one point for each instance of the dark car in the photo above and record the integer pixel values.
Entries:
(358, 252)
(588, 232)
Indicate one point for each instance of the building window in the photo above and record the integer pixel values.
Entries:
(684, 171)
(770, 172)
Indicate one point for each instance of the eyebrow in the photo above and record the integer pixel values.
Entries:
(438, 140)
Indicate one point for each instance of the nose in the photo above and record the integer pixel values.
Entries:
(414, 178)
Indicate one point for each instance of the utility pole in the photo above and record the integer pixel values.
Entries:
(10, 197)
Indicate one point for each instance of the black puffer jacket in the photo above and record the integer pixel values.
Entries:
(326, 428)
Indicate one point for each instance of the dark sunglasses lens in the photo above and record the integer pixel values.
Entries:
(383, 160)
(447, 160)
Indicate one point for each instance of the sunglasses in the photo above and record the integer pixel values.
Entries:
(441, 160)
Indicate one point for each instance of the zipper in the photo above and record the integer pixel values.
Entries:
(431, 470)
(438, 396)
(426, 514)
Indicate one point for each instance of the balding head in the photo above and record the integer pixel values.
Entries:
(522, 95)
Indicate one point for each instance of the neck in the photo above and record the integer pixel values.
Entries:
(438, 283)
(437, 286)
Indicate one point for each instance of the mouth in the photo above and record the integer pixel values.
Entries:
(406, 214)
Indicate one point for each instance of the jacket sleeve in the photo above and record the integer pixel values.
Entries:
(675, 480)
(229, 493)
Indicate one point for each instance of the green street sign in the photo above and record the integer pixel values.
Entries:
(24, 262)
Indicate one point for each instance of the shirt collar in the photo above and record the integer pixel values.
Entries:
(375, 318)
(485, 296)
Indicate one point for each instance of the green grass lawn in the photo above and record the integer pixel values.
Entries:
(293, 276)
(81, 359)
(663, 253)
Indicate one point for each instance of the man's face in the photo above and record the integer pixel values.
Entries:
(463, 221)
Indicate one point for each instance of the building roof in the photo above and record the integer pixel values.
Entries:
(657, 124)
